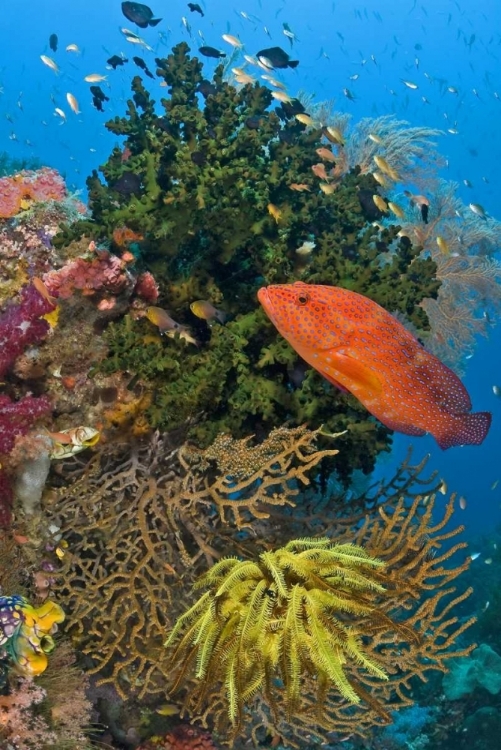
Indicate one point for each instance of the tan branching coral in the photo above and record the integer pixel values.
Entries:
(140, 524)
(409, 151)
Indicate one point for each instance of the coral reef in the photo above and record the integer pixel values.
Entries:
(149, 541)
(215, 207)
(482, 669)
(148, 522)
(270, 621)
(182, 737)
(463, 245)
(21, 325)
(18, 191)
(405, 632)
(52, 713)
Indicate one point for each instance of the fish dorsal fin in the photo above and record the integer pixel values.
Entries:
(360, 376)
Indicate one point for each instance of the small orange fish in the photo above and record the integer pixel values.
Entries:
(326, 153)
(319, 171)
(43, 291)
(359, 347)
(300, 187)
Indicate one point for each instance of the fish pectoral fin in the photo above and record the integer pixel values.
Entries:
(333, 381)
(359, 375)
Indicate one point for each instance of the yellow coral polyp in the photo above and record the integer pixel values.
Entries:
(32, 639)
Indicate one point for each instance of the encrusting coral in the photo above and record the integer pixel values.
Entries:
(218, 197)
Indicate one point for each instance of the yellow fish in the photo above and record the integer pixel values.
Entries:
(281, 96)
(443, 245)
(274, 211)
(305, 119)
(395, 208)
(383, 165)
(380, 203)
(334, 135)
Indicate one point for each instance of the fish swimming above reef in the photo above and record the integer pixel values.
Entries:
(195, 8)
(98, 97)
(205, 310)
(139, 14)
(211, 52)
(141, 64)
(359, 347)
(277, 57)
(422, 202)
(168, 326)
(116, 60)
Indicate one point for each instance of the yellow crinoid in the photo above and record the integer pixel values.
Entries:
(299, 612)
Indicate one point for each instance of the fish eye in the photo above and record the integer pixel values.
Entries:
(303, 298)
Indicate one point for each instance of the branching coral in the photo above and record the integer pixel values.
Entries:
(147, 523)
(463, 246)
(135, 537)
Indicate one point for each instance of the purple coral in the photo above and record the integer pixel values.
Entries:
(17, 417)
(20, 326)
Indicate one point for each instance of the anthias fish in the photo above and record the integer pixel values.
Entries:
(359, 347)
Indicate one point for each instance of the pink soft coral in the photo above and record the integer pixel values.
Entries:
(107, 274)
(39, 186)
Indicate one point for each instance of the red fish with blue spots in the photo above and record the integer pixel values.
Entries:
(359, 347)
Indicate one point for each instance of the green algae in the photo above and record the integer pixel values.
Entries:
(204, 191)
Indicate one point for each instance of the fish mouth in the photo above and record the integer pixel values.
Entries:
(265, 300)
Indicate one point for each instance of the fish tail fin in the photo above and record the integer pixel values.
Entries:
(293, 63)
(464, 429)
(154, 21)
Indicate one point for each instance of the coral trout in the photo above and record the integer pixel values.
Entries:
(359, 347)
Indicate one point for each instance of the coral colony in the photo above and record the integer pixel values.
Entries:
(181, 497)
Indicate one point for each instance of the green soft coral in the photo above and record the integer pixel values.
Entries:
(207, 181)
